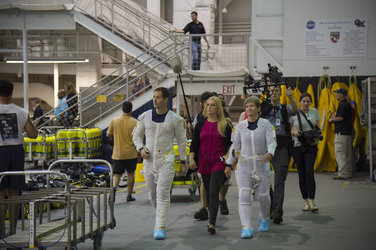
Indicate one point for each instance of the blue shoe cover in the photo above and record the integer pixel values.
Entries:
(247, 233)
(264, 225)
(159, 234)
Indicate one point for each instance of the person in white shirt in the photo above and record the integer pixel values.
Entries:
(13, 122)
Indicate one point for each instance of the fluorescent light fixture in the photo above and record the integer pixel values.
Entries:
(47, 60)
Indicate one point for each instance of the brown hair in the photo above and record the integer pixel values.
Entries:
(305, 94)
(70, 89)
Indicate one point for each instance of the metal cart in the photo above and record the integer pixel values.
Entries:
(190, 181)
(87, 213)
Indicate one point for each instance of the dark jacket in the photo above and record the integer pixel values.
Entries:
(195, 144)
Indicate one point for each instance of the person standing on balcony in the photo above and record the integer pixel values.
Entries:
(160, 127)
(195, 27)
(13, 122)
(124, 151)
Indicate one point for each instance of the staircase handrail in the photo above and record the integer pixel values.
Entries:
(129, 71)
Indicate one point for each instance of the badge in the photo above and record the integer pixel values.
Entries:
(309, 116)
(278, 122)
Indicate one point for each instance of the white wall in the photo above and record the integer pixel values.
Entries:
(296, 12)
(238, 9)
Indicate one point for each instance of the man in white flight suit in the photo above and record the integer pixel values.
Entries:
(160, 126)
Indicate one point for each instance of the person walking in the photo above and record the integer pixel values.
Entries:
(160, 127)
(60, 114)
(210, 143)
(124, 151)
(279, 117)
(72, 104)
(254, 144)
(38, 112)
(195, 27)
(305, 149)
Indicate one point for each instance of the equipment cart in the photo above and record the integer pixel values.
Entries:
(86, 213)
(189, 181)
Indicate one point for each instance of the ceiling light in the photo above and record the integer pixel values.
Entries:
(47, 60)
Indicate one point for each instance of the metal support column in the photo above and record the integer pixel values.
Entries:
(25, 70)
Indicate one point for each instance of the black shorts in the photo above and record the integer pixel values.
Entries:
(12, 159)
(120, 166)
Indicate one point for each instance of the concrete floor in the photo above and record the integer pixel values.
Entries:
(346, 220)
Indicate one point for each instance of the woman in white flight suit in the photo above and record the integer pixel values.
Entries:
(160, 126)
(253, 146)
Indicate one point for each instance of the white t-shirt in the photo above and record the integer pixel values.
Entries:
(12, 123)
(313, 116)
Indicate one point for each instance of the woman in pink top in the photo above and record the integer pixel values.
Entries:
(210, 143)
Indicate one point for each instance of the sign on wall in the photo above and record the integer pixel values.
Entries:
(337, 38)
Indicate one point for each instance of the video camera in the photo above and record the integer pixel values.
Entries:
(272, 78)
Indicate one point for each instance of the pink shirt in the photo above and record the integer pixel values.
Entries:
(211, 148)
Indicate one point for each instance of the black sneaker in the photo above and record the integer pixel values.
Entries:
(277, 219)
(130, 198)
(223, 207)
(202, 214)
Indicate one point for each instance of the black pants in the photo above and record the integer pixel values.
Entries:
(305, 161)
(280, 163)
(212, 183)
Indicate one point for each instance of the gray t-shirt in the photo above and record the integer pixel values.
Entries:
(313, 116)
(12, 123)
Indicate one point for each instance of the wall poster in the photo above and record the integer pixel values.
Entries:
(337, 38)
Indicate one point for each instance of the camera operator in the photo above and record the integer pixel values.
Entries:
(279, 114)
(306, 137)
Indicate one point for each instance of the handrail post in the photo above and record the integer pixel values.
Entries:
(112, 16)
(149, 47)
(247, 53)
(190, 53)
(95, 8)
(127, 78)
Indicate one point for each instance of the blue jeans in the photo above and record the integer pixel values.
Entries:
(196, 55)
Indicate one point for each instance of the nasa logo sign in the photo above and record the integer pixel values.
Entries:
(310, 25)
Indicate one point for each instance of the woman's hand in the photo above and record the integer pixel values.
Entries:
(228, 172)
(267, 157)
(192, 163)
(295, 133)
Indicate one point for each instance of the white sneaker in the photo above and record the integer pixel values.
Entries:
(306, 207)
(314, 207)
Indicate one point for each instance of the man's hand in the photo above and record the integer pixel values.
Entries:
(228, 172)
(145, 153)
(183, 169)
(192, 164)
(289, 92)
(331, 119)
(208, 46)
(266, 157)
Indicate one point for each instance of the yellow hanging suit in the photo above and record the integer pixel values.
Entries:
(325, 159)
(356, 96)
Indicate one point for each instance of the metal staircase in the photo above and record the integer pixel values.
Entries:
(135, 31)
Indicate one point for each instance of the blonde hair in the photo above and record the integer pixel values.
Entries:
(222, 121)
